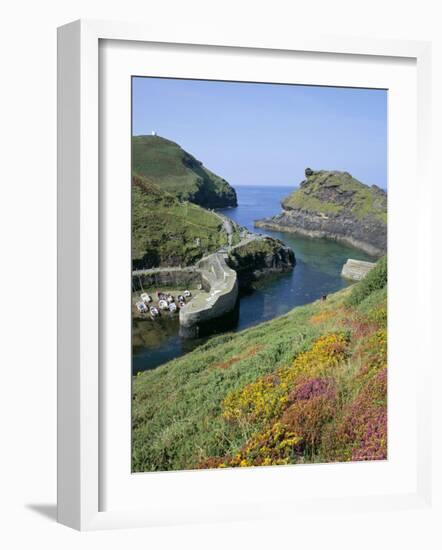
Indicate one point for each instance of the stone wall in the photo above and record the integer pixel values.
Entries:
(166, 277)
(356, 270)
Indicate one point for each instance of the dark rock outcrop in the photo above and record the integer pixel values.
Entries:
(259, 258)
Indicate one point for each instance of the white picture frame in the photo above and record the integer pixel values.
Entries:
(80, 365)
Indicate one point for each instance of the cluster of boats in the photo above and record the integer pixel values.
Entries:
(166, 302)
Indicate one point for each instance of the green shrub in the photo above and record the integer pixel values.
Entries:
(375, 280)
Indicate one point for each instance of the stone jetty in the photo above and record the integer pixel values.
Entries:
(356, 270)
(221, 283)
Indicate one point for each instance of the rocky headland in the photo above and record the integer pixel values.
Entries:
(335, 205)
(164, 163)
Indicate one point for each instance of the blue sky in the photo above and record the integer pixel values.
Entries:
(267, 134)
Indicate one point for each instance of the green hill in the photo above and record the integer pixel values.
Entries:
(333, 192)
(168, 232)
(309, 386)
(166, 164)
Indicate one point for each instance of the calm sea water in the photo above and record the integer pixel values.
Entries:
(317, 272)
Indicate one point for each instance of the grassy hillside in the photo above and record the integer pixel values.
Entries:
(307, 386)
(166, 164)
(333, 192)
(168, 232)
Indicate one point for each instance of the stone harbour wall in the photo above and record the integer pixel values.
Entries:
(222, 284)
(356, 270)
(175, 277)
(214, 275)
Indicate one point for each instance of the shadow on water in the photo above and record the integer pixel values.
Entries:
(219, 325)
(317, 272)
(158, 341)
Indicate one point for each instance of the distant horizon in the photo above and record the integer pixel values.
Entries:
(265, 185)
(252, 134)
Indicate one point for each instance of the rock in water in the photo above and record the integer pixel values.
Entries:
(259, 258)
(334, 205)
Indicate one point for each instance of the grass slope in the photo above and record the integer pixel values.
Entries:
(308, 386)
(166, 164)
(333, 192)
(168, 232)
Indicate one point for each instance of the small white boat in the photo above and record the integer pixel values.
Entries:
(142, 308)
(181, 304)
(172, 307)
(146, 298)
(162, 304)
(187, 293)
(154, 312)
(181, 298)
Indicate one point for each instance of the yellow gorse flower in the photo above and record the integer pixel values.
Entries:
(273, 446)
(267, 397)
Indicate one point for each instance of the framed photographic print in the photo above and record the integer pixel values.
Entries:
(234, 227)
(308, 383)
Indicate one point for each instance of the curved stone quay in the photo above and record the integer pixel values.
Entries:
(220, 275)
(221, 283)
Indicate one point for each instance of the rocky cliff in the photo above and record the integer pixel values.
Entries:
(334, 205)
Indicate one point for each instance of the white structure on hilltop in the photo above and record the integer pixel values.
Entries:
(154, 133)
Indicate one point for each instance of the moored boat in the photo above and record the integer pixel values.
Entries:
(146, 298)
(154, 312)
(142, 307)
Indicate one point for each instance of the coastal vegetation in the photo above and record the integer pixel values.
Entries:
(170, 232)
(309, 386)
(163, 162)
(333, 192)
